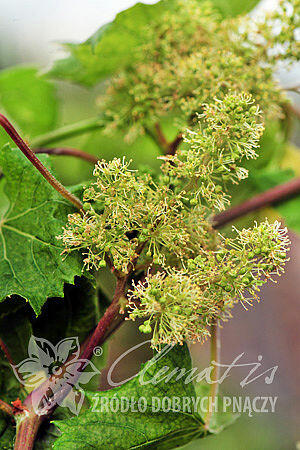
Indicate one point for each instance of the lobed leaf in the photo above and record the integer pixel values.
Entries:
(149, 429)
(29, 100)
(114, 45)
(31, 264)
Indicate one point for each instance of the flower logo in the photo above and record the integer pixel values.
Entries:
(54, 374)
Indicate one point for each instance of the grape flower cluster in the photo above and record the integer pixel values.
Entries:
(160, 225)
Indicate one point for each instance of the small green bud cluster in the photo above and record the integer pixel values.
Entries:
(232, 133)
(178, 305)
(164, 224)
(191, 57)
(124, 212)
(174, 306)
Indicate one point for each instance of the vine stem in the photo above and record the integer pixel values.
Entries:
(294, 110)
(101, 332)
(215, 347)
(28, 425)
(11, 131)
(271, 196)
(6, 352)
(28, 422)
(168, 148)
(172, 148)
(75, 129)
(106, 321)
(67, 151)
(5, 407)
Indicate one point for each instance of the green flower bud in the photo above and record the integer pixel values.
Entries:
(147, 329)
(86, 206)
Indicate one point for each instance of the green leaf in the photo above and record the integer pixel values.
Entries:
(288, 209)
(114, 45)
(31, 264)
(28, 100)
(221, 417)
(148, 429)
(231, 8)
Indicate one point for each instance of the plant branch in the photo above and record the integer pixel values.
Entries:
(101, 332)
(161, 139)
(5, 407)
(75, 129)
(294, 110)
(106, 321)
(10, 130)
(6, 352)
(157, 135)
(295, 88)
(28, 425)
(67, 151)
(215, 346)
(269, 197)
(173, 146)
(153, 135)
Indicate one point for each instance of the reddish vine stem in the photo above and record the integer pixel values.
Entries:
(106, 321)
(101, 332)
(169, 148)
(29, 425)
(161, 139)
(173, 146)
(11, 131)
(27, 428)
(272, 196)
(9, 358)
(66, 151)
(294, 110)
(6, 352)
(5, 407)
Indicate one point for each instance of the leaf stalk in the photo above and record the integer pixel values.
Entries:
(11, 131)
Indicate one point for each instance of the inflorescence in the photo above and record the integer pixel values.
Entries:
(191, 56)
(162, 224)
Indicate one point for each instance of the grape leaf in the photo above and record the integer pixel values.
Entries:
(149, 429)
(114, 45)
(28, 100)
(31, 264)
